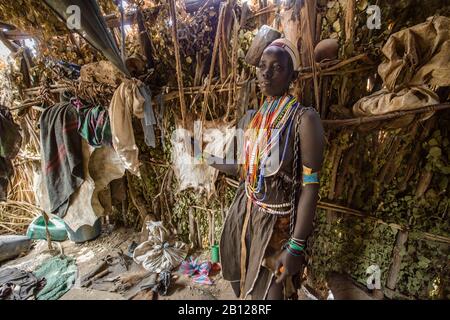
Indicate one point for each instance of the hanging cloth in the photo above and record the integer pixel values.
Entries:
(149, 120)
(62, 160)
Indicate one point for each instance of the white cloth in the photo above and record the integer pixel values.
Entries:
(374, 279)
(126, 101)
(101, 166)
(191, 173)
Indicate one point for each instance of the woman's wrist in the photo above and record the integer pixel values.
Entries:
(295, 247)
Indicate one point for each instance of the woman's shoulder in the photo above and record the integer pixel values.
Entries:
(307, 114)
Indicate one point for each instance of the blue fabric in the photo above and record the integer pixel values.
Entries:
(149, 118)
(311, 178)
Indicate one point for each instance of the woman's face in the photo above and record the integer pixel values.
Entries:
(275, 71)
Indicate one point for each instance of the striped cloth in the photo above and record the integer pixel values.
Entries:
(61, 154)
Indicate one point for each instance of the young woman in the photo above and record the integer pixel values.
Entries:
(264, 234)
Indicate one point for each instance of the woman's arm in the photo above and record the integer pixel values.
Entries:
(222, 165)
(230, 165)
(227, 166)
(312, 145)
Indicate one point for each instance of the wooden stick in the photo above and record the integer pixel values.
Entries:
(213, 60)
(234, 51)
(310, 36)
(402, 237)
(349, 20)
(47, 232)
(192, 229)
(173, 16)
(327, 71)
(266, 10)
(392, 115)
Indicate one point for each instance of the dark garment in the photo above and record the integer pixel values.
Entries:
(61, 155)
(17, 284)
(10, 138)
(6, 171)
(93, 124)
(266, 233)
(10, 143)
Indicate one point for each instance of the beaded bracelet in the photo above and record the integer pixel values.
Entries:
(300, 242)
(293, 253)
(294, 248)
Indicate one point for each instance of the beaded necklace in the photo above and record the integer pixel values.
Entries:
(273, 116)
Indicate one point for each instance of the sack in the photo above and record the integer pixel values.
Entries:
(418, 55)
(159, 253)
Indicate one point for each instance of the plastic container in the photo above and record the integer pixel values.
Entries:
(56, 227)
(13, 246)
(85, 232)
(215, 253)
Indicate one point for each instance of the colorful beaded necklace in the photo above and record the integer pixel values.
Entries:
(273, 115)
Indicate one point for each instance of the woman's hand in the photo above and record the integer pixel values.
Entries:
(290, 265)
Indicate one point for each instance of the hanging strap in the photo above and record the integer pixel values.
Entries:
(244, 247)
(296, 163)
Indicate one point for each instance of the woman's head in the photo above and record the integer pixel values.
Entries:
(276, 67)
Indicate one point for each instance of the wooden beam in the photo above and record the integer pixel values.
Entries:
(213, 61)
(349, 20)
(389, 116)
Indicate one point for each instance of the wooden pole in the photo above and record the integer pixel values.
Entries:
(176, 45)
(402, 237)
(349, 20)
(213, 61)
(192, 228)
(309, 34)
(47, 232)
(391, 115)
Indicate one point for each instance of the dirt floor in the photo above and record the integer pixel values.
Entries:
(122, 284)
(90, 253)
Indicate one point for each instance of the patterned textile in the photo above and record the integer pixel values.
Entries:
(93, 124)
(198, 271)
(61, 153)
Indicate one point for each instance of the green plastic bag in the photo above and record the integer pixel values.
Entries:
(56, 227)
